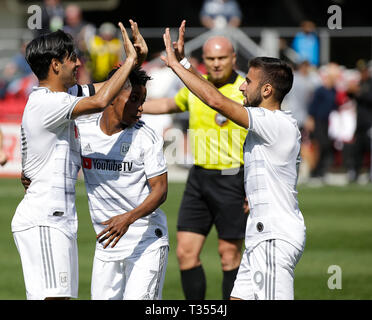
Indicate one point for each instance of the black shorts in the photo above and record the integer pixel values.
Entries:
(213, 198)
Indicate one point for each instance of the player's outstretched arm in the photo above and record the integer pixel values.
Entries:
(168, 105)
(160, 106)
(117, 226)
(179, 45)
(203, 89)
(111, 87)
(139, 44)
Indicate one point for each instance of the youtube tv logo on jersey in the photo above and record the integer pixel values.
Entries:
(87, 163)
(107, 165)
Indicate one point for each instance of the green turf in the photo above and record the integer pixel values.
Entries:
(339, 232)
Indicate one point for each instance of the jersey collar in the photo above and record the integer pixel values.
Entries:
(231, 79)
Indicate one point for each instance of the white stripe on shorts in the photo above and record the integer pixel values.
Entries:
(270, 270)
(47, 257)
(162, 263)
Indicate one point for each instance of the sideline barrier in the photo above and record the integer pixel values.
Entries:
(11, 142)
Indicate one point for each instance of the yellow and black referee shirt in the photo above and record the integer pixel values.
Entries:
(216, 142)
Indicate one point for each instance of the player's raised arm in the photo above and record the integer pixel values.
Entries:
(179, 45)
(204, 90)
(110, 88)
(168, 105)
(139, 44)
(160, 106)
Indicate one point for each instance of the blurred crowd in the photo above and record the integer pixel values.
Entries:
(332, 104)
(333, 108)
(99, 50)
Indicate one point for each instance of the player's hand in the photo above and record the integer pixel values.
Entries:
(130, 51)
(116, 227)
(25, 181)
(3, 158)
(246, 206)
(179, 46)
(139, 43)
(170, 59)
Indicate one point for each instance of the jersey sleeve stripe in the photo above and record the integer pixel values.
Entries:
(158, 173)
(73, 107)
(80, 91)
(150, 132)
(92, 90)
(250, 119)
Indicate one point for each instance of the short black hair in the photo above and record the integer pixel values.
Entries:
(276, 72)
(137, 76)
(41, 50)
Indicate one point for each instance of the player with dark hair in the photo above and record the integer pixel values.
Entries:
(45, 223)
(275, 232)
(214, 193)
(126, 180)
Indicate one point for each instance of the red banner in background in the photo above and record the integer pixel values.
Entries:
(11, 142)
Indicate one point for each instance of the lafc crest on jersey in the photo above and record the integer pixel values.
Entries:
(221, 120)
(124, 148)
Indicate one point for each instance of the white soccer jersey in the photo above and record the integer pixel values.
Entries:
(51, 159)
(271, 160)
(116, 169)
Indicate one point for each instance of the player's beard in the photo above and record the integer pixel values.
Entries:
(69, 76)
(256, 99)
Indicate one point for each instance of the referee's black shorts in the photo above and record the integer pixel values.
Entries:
(211, 198)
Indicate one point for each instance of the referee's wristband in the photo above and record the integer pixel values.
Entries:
(185, 63)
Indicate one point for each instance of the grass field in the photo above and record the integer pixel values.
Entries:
(339, 232)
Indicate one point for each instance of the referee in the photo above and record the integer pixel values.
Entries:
(214, 193)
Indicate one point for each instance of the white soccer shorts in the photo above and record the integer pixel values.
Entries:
(267, 272)
(49, 262)
(134, 278)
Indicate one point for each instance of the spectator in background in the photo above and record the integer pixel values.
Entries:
(286, 53)
(321, 105)
(362, 93)
(82, 32)
(306, 43)
(3, 157)
(79, 29)
(105, 52)
(16, 69)
(305, 80)
(220, 13)
(19, 67)
(17, 81)
(52, 16)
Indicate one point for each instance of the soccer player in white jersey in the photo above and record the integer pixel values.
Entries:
(275, 232)
(45, 223)
(126, 180)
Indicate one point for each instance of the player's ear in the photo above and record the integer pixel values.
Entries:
(267, 90)
(55, 64)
